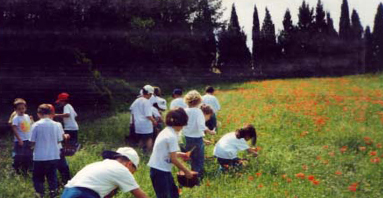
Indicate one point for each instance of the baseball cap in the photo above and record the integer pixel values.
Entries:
(161, 103)
(61, 97)
(149, 89)
(130, 153)
(177, 92)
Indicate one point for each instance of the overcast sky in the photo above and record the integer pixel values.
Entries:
(365, 8)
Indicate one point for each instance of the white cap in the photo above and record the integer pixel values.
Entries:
(161, 103)
(149, 89)
(129, 153)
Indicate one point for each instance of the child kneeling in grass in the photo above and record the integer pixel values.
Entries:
(165, 153)
(228, 146)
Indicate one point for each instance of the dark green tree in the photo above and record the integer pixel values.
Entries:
(234, 55)
(356, 26)
(306, 17)
(378, 38)
(286, 37)
(344, 23)
(369, 56)
(256, 36)
(330, 29)
(320, 15)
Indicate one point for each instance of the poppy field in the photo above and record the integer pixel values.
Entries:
(317, 137)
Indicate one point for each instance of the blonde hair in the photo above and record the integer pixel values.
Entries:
(193, 98)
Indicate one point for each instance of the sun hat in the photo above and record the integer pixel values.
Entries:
(62, 97)
(149, 89)
(161, 103)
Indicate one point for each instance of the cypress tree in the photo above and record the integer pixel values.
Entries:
(286, 37)
(330, 26)
(378, 38)
(256, 36)
(344, 23)
(268, 37)
(369, 56)
(356, 26)
(306, 17)
(320, 23)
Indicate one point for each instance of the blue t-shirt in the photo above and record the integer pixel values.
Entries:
(46, 134)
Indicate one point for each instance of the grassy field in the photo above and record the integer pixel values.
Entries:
(318, 137)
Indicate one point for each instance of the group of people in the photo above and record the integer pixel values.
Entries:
(179, 135)
(37, 145)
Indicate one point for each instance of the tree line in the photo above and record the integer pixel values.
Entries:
(75, 45)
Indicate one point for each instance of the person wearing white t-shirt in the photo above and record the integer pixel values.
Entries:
(45, 137)
(211, 100)
(104, 178)
(195, 130)
(165, 153)
(178, 101)
(230, 144)
(69, 118)
(21, 127)
(142, 118)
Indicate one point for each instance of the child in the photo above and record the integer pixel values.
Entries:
(45, 137)
(228, 146)
(21, 125)
(165, 154)
(62, 164)
(142, 118)
(102, 179)
(178, 101)
(69, 117)
(157, 101)
(195, 130)
(207, 113)
(211, 100)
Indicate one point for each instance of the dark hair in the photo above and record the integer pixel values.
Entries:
(114, 156)
(176, 117)
(144, 91)
(177, 92)
(157, 91)
(44, 109)
(19, 101)
(209, 89)
(206, 109)
(247, 131)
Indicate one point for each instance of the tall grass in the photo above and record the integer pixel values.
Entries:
(324, 128)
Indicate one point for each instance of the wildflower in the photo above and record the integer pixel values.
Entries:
(311, 177)
(315, 182)
(332, 154)
(304, 167)
(353, 187)
(343, 149)
(258, 148)
(373, 153)
(289, 180)
(300, 175)
(379, 145)
(251, 178)
(338, 173)
(260, 186)
(284, 176)
(304, 133)
(258, 174)
(319, 157)
(325, 147)
(207, 183)
(362, 148)
(375, 160)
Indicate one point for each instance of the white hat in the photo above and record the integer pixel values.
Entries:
(149, 89)
(161, 103)
(129, 153)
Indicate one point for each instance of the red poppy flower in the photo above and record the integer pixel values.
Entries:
(289, 180)
(315, 182)
(362, 148)
(343, 149)
(250, 178)
(300, 175)
(375, 160)
(338, 173)
(311, 177)
(373, 153)
(258, 174)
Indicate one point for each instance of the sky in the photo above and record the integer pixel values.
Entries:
(245, 8)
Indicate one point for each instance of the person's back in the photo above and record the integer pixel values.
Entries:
(196, 123)
(177, 102)
(141, 109)
(103, 177)
(212, 101)
(46, 135)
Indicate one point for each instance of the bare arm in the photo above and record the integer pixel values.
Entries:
(252, 151)
(138, 193)
(64, 115)
(152, 120)
(14, 129)
(179, 165)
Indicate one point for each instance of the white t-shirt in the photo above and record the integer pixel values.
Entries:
(178, 102)
(166, 143)
(141, 109)
(229, 145)
(61, 133)
(196, 123)
(23, 127)
(212, 101)
(70, 122)
(160, 102)
(156, 113)
(103, 177)
(46, 134)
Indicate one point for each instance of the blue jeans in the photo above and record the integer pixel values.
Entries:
(163, 184)
(212, 122)
(198, 154)
(23, 156)
(63, 168)
(79, 192)
(42, 169)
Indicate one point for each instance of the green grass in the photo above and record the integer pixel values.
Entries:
(302, 125)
